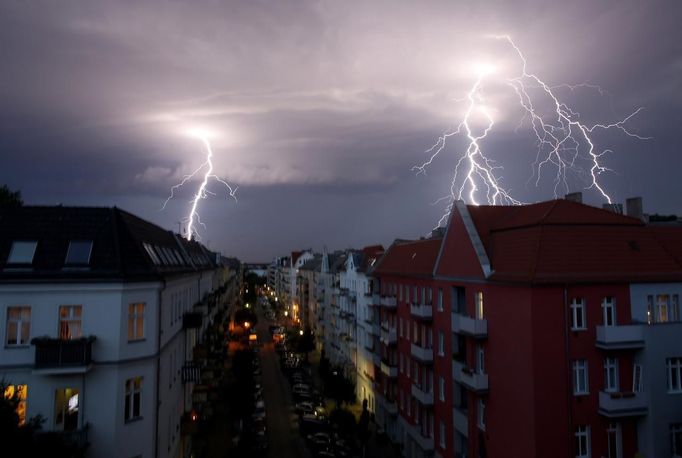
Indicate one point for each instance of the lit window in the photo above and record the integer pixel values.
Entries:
(18, 325)
(674, 368)
(17, 394)
(70, 321)
(578, 315)
(582, 442)
(22, 252)
(133, 398)
(136, 321)
(580, 385)
(479, 306)
(79, 252)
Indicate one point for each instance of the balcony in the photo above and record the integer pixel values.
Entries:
(191, 320)
(390, 406)
(422, 354)
(376, 300)
(425, 397)
(56, 356)
(76, 439)
(421, 311)
(461, 421)
(620, 337)
(470, 326)
(423, 442)
(375, 330)
(376, 359)
(389, 369)
(191, 373)
(469, 378)
(388, 301)
(389, 336)
(616, 405)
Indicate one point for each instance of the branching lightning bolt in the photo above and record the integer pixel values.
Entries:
(562, 139)
(202, 192)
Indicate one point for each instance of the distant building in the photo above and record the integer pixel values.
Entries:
(101, 312)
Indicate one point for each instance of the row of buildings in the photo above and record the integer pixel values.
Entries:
(103, 314)
(550, 329)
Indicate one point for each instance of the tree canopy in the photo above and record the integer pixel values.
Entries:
(10, 198)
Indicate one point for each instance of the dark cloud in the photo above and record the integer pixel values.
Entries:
(322, 107)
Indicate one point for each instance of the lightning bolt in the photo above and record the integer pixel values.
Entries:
(202, 192)
(562, 138)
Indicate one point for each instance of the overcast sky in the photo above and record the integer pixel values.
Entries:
(319, 109)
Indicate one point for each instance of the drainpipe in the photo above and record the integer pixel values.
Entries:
(158, 370)
(568, 366)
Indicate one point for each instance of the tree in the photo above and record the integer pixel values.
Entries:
(28, 439)
(10, 198)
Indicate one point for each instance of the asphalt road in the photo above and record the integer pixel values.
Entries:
(283, 437)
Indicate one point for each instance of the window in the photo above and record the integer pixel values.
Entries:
(580, 377)
(609, 311)
(79, 252)
(674, 366)
(401, 329)
(610, 375)
(402, 361)
(441, 389)
(441, 434)
(136, 321)
(18, 393)
(613, 441)
(578, 314)
(582, 442)
(481, 414)
(441, 343)
(440, 300)
(70, 321)
(22, 252)
(479, 306)
(66, 408)
(18, 325)
(636, 378)
(133, 398)
(676, 440)
(480, 359)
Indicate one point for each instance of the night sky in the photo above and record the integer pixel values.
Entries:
(319, 109)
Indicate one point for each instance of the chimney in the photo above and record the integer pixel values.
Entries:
(634, 207)
(574, 197)
(615, 208)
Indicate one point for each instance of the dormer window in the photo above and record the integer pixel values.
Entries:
(22, 252)
(79, 252)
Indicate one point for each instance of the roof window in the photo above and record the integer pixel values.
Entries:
(150, 251)
(22, 252)
(79, 252)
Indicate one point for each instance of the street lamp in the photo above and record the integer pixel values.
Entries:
(300, 332)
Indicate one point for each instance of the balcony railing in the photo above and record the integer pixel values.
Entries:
(191, 372)
(388, 301)
(471, 326)
(191, 320)
(375, 330)
(425, 397)
(421, 311)
(73, 355)
(615, 405)
(461, 421)
(620, 337)
(423, 441)
(470, 378)
(390, 406)
(389, 336)
(421, 353)
(78, 438)
(389, 369)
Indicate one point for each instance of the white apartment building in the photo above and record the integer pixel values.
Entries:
(100, 311)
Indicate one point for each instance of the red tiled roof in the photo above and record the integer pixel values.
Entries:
(560, 240)
(294, 257)
(413, 258)
(370, 255)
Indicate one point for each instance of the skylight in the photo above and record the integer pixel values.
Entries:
(22, 252)
(79, 252)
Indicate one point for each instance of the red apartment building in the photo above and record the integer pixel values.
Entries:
(512, 334)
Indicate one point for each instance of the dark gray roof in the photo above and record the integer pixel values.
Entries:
(124, 246)
(312, 264)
